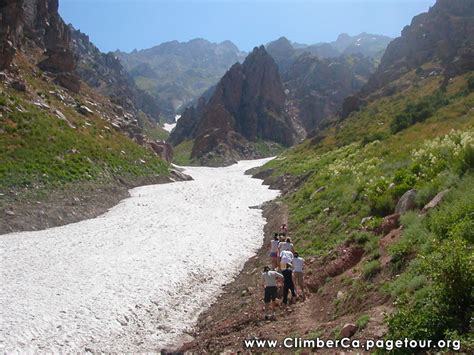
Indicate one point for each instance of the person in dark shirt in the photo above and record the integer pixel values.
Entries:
(288, 283)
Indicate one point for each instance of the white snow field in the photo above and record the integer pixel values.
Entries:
(137, 277)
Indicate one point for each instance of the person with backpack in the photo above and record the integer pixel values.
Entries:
(270, 294)
(288, 284)
(298, 266)
(274, 250)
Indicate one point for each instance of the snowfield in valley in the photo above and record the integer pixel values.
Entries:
(137, 277)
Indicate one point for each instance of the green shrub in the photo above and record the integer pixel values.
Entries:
(362, 321)
(465, 161)
(370, 269)
(418, 111)
(454, 219)
(447, 304)
(382, 205)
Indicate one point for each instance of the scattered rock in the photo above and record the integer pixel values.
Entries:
(18, 85)
(348, 330)
(84, 110)
(313, 195)
(406, 202)
(9, 213)
(435, 201)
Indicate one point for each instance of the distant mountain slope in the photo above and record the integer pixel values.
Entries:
(176, 73)
(366, 44)
(247, 106)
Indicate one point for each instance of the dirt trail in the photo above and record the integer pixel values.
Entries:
(238, 315)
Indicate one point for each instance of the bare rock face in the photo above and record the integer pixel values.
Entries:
(348, 330)
(36, 22)
(247, 105)
(444, 35)
(164, 150)
(406, 202)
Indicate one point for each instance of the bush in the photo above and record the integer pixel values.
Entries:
(371, 269)
(382, 205)
(362, 321)
(454, 219)
(446, 305)
(418, 111)
(465, 161)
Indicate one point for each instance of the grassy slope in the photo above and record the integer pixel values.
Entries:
(40, 151)
(364, 169)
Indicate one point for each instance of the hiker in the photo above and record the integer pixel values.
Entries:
(284, 229)
(274, 250)
(288, 284)
(286, 245)
(269, 279)
(298, 266)
(286, 257)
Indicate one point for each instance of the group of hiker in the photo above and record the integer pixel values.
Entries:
(288, 266)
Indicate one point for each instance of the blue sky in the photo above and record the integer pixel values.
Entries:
(130, 24)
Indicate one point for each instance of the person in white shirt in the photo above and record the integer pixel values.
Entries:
(286, 257)
(298, 266)
(286, 245)
(269, 278)
(274, 250)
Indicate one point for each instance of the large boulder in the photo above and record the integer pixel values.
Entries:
(348, 330)
(164, 150)
(406, 202)
(435, 201)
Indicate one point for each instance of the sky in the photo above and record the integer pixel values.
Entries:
(139, 24)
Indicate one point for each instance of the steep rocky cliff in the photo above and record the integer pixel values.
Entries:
(318, 78)
(247, 105)
(441, 38)
(27, 23)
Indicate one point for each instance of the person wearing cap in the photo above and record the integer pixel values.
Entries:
(298, 266)
(288, 284)
(270, 284)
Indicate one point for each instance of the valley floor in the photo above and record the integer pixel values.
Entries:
(136, 278)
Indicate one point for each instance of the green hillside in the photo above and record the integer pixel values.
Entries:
(361, 167)
(39, 150)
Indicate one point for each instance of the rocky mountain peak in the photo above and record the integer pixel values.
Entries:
(248, 104)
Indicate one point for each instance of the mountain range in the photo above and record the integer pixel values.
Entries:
(176, 73)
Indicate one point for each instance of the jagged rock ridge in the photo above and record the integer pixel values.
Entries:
(247, 105)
